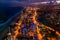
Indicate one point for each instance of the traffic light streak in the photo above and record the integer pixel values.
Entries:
(17, 28)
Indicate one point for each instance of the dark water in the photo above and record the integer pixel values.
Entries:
(7, 12)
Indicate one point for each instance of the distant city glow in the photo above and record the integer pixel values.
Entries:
(40, 3)
(46, 2)
(58, 2)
